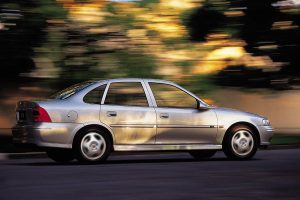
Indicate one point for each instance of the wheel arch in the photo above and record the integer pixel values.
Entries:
(250, 125)
(96, 126)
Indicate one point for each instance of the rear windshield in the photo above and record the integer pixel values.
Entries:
(63, 94)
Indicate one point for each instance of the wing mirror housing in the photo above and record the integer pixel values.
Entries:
(201, 106)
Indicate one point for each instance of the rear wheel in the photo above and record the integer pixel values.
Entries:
(241, 143)
(60, 155)
(92, 146)
(202, 154)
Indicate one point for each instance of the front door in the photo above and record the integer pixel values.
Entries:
(126, 110)
(179, 121)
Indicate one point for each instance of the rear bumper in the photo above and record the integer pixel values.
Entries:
(57, 135)
(24, 134)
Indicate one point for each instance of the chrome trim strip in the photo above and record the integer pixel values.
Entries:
(105, 93)
(186, 126)
(134, 125)
(269, 130)
(165, 147)
(161, 126)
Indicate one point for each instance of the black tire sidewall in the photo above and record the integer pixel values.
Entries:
(227, 147)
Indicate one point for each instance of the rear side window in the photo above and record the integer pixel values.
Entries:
(66, 93)
(126, 94)
(95, 96)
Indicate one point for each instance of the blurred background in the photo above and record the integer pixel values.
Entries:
(243, 54)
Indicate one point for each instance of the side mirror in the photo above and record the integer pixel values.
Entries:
(201, 107)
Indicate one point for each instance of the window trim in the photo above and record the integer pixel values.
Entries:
(179, 88)
(129, 81)
(105, 86)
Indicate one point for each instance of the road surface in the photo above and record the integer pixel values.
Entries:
(272, 174)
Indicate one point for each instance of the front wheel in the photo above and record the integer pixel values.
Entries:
(241, 143)
(202, 154)
(92, 146)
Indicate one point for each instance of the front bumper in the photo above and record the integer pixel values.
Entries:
(266, 134)
(58, 135)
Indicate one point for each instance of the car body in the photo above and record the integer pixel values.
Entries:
(134, 114)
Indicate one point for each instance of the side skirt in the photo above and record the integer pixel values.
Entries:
(166, 147)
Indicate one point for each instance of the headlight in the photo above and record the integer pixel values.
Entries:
(265, 122)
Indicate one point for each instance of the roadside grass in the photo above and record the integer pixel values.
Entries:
(281, 139)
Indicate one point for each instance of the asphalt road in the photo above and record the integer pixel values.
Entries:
(273, 174)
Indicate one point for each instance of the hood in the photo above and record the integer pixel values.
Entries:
(230, 110)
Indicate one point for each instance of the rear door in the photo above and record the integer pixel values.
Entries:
(125, 108)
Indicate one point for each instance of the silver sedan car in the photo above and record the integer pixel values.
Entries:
(89, 120)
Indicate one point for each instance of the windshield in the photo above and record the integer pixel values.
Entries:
(63, 94)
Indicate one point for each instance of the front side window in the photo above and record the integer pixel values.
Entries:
(126, 94)
(95, 96)
(170, 96)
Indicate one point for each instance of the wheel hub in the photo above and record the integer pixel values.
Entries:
(242, 142)
(93, 145)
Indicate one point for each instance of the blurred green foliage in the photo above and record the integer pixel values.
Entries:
(69, 50)
(146, 3)
(49, 9)
(136, 64)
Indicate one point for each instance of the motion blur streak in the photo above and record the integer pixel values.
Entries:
(241, 54)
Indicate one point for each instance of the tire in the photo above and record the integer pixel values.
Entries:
(240, 143)
(92, 146)
(60, 155)
(202, 154)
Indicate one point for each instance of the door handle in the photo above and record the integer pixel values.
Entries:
(111, 113)
(164, 115)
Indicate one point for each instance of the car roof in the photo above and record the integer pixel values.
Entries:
(147, 80)
(137, 79)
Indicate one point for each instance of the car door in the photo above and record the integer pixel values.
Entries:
(126, 110)
(179, 120)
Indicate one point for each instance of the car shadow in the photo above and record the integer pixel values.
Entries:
(131, 161)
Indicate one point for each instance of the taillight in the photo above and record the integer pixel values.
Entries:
(40, 115)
